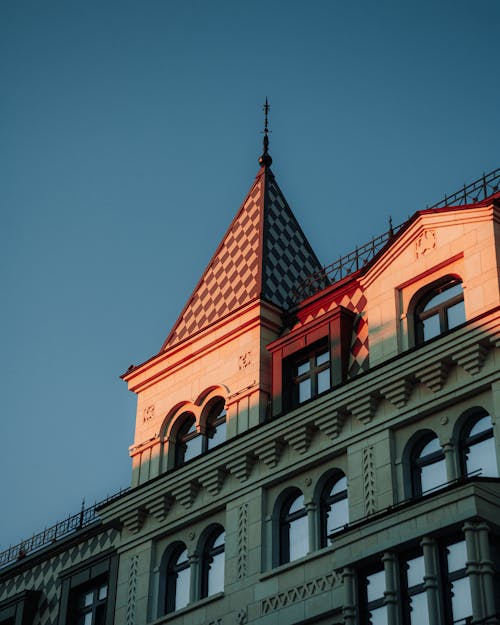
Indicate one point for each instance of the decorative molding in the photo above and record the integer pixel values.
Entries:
(213, 480)
(399, 392)
(241, 617)
(425, 243)
(270, 452)
(299, 593)
(434, 375)
(369, 481)
(242, 466)
(160, 506)
(186, 493)
(217, 621)
(242, 540)
(364, 407)
(134, 519)
(132, 589)
(332, 423)
(300, 438)
(472, 358)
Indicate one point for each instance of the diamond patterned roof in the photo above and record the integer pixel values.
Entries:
(264, 253)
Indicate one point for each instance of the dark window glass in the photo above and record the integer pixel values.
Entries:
(212, 576)
(216, 426)
(416, 607)
(188, 440)
(478, 448)
(310, 374)
(89, 603)
(439, 310)
(178, 580)
(458, 596)
(334, 508)
(294, 535)
(375, 588)
(428, 466)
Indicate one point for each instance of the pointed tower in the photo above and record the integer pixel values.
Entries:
(216, 349)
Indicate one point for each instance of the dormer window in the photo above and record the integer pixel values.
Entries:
(310, 374)
(439, 310)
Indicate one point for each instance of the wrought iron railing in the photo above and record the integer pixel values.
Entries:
(478, 190)
(74, 522)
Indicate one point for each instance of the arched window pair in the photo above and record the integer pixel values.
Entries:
(177, 575)
(191, 441)
(476, 449)
(293, 523)
(440, 308)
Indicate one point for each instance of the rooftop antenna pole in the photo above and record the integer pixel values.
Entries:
(265, 160)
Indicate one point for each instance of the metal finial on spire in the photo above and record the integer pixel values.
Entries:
(266, 159)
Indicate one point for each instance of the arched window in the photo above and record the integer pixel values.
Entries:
(177, 579)
(215, 425)
(188, 442)
(212, 564)
(293, 528)
(440, 309)
(428, 466)
(477, 446)
(334, 509)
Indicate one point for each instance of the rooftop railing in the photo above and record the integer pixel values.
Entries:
(480, 189)
(73, 523)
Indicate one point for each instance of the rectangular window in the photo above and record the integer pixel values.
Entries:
(309, 373)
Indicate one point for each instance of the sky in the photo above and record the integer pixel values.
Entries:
(129, 136)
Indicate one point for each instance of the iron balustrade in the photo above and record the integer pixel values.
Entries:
(75, 522)
(480, 189)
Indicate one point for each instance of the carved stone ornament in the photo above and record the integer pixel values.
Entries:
(148, 413)
(245, 360)
(425, 243)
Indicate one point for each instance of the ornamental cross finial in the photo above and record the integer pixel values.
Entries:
(266, 159)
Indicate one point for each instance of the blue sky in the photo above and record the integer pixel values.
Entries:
(130, 133)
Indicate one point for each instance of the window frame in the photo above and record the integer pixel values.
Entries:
(170, 573)
(285, 519)
(422, 299)
(325, 503)
(208, 553)
(417, 463)
(466, 441)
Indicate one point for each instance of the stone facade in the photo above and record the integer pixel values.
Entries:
(390, 396)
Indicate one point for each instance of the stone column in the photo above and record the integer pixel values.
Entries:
(431, 579)
(391, 587)
(472, 569)
(450, 460)
(312, 525)
(487, 574)
(349, 607)
(195, 576)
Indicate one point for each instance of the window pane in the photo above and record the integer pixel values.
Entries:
(419, 611)
(182, 589)
(321, 358)
(193, 448)
(323, 380)
(88, 598)
(298, 538)
(303, 368)
(457, 556)
(103, 592)
(483, 425)
(456, 315)
(481, 458)
(415, 571)
(379, 616)
(296, 505)
(433, 476)
(375, 586)
(461, 603)
(339, 486)
(431, 447)
(304, 390)
(338, 516)
(431, 327)
(445, 295)
(216, 574)
(218, 437)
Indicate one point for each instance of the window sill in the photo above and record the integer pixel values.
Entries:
(189, 608)
(282, 568)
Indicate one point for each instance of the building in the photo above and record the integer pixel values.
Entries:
(311, 446)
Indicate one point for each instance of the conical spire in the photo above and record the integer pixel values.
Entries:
(263, 255)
